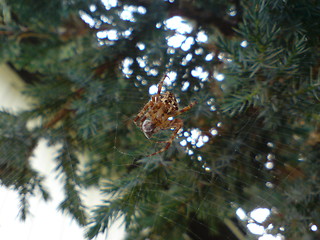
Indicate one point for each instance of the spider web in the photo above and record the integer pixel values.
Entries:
(195, 137)
(253, 220)
(66, 228)
(41, 211)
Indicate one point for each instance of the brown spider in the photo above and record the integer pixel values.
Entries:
(158, 114)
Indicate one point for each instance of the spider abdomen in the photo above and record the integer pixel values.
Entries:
(148, 128)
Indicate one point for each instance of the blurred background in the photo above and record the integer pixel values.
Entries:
(74, 76)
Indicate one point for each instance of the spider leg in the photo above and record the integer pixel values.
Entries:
(187, 108)
(161, 83)
(143, 111)
(154, 100)
(177, 124)
(155, 106)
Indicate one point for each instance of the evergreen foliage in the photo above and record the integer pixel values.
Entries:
(89, 66)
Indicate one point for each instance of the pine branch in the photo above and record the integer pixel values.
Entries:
(68, 166)
(65, 110)
(17, 145)
(104, 215)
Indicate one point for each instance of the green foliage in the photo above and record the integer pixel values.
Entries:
(89, 80)
(16, 147)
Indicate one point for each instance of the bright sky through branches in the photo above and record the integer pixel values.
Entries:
(182, 29)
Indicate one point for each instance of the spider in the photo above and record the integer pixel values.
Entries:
(158, 114)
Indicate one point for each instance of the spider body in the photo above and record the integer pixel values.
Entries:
(159, 114)
(169, 101)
